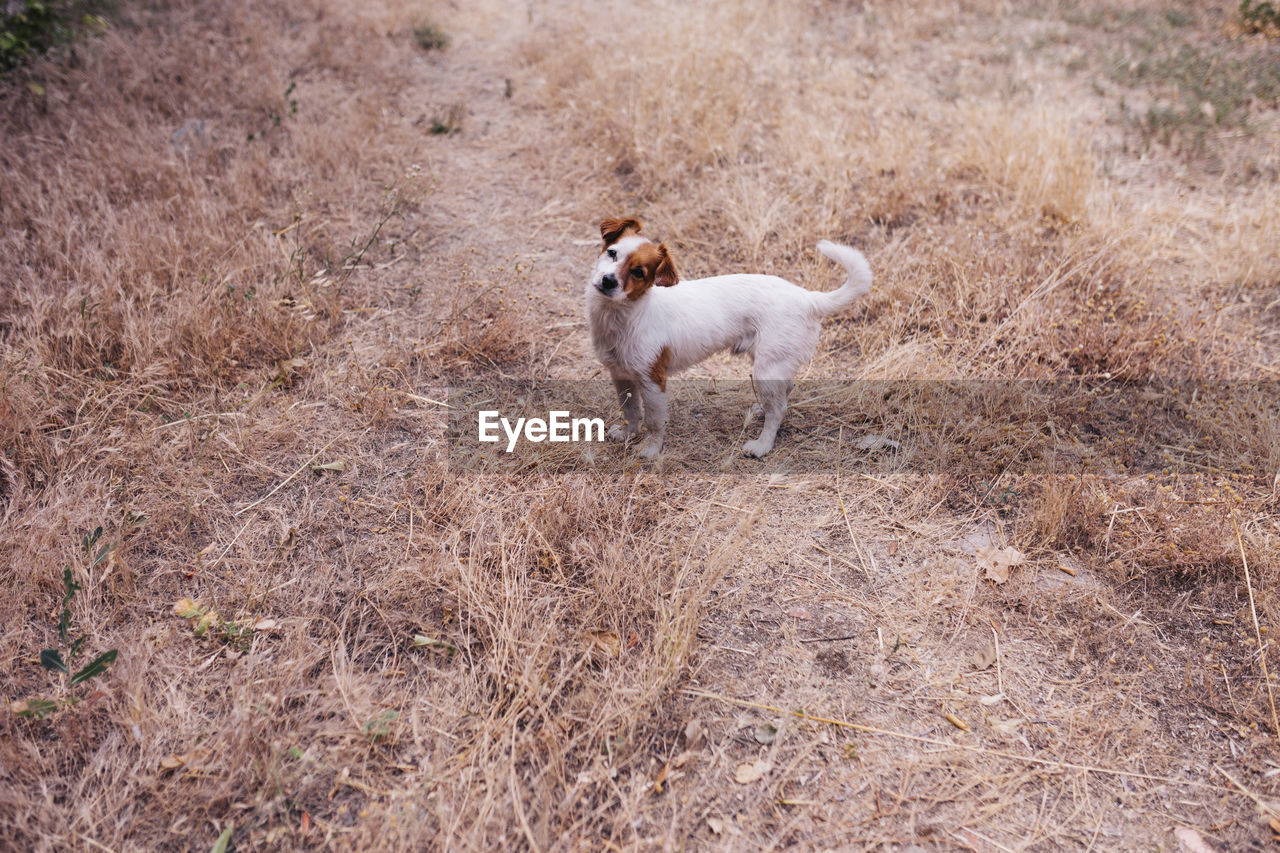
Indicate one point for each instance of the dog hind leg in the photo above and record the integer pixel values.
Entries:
(773, 399)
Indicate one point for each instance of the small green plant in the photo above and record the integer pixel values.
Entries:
(54, 660)
(380, 727)
(32, 27)
(86, 312)
(1199, 89)
(1007, 496)
(220, 845)
(1260, 17)
(430, 37)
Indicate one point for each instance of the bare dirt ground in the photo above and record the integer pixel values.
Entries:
(246, 253)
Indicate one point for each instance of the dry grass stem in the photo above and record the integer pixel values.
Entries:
(1257, 630)
(1029, 759)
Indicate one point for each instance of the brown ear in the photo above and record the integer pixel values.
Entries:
(612, 230)
(665, 275)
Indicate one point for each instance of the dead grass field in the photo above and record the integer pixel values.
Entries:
(244, 252)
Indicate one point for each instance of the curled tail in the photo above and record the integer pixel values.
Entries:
(855, 287)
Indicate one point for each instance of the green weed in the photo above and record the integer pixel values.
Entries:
(381, 726)
(1259, 17)
(1203, 89)
(63, 657)
(34, 27)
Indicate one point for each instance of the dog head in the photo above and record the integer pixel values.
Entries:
(630, 263)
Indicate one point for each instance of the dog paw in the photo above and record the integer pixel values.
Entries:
(757, 448)
(618, 433)
(754, 412)
(650, 447)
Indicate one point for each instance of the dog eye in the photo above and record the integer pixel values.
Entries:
(613, 254)
(636, 272)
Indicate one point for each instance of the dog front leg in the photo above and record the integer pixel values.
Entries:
(655, 419)
(629, 398)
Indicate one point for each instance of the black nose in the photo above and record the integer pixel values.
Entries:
(609, 282)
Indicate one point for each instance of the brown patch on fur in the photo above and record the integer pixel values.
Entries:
(658, 371)
(647, 266)
(613, 230)
(665, 275)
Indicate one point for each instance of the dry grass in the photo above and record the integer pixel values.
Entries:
(235, 253)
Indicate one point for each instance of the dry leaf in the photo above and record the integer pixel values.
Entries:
(766, 733)
(662, 777)
(683, 758)
(173, 762)
(201, 625)
(187, 609)
(716, 825)
(287, 366)
(200, 616)
(203, 618)
(876, 442)
(798, 612)
(985, 657)
(605, 642)
(996, 562)
(893, 547)
(1191, 841)
(421, 640)
(1007, 727)
(748, 773)
(991, 700)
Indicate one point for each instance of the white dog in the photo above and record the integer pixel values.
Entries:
(647, 324)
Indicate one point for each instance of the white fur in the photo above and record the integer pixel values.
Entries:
(770, 318)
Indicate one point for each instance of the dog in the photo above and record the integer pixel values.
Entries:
(647, 324)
